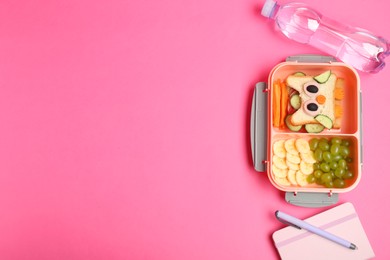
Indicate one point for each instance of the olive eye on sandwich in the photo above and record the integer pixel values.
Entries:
(311, 107)
(311, 89)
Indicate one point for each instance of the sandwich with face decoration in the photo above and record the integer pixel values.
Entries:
(317, 94)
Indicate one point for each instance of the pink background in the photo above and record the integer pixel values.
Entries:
(125, 129)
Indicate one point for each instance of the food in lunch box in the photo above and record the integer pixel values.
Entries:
(280, 103)
(302, 162)
(292, 162)
(313, 102)
(333, 158)
(317, 99)
(278, 149)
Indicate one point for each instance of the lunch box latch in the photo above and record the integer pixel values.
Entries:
(312, 199)
(259, 127)
(312, 58)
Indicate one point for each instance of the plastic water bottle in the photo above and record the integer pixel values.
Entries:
(354, 46)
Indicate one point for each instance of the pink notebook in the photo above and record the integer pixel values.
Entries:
(342, 220)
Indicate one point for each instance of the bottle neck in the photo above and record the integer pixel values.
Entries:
(274, 11)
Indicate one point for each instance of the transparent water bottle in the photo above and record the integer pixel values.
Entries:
(354, 46)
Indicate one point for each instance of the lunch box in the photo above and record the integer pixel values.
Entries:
(265, 135)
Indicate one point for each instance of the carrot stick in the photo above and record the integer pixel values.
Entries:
(276, 104)
(283, 104)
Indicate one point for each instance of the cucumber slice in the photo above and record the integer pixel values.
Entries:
(294, 128)
(323, 77)
(314, 128)
(295, 101)
(324, 120)
(299, 74)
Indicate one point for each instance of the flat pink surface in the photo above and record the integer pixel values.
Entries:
(125, 129)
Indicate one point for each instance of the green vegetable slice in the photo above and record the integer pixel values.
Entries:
(314, 128)
(323, 77)
(295, 101)
(294, 128)
(299, 73)
(324, 120)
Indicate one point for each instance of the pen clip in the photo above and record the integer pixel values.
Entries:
(285, 221)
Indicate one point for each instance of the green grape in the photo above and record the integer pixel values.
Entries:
(318, 155)
(327, 156)
(333, 165)
(317, 174)
(336, 157)
(324, 146)
(313, 143)
(336, 140)
(323, 139)
(335, 149)
(348, 175)
(326, 177)
(339, 183)
(325, 167)
(339, 172)
(311, 178)
(316, 166)
(344, 151)
(329, 184)
(333, 162)
(342, 163)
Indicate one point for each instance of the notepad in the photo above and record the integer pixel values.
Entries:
(342, 220)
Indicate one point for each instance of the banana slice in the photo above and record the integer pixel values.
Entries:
(292, 166)
(301, 178)
(280, 173)
(306, 168)
(293, 158)
(308, 157)
(291, 177)
(290, 146)
(282, 181)
(302, 145)
(279, 162)
(279, 149)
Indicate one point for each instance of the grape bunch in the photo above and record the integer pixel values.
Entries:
(333, 159)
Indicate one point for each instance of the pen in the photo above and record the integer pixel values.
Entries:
(300, 224)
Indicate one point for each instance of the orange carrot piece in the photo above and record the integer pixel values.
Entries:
(321, 99)
(338, 93)
(276, 104)
(339, 89)
(338, 111)
(283, 104)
